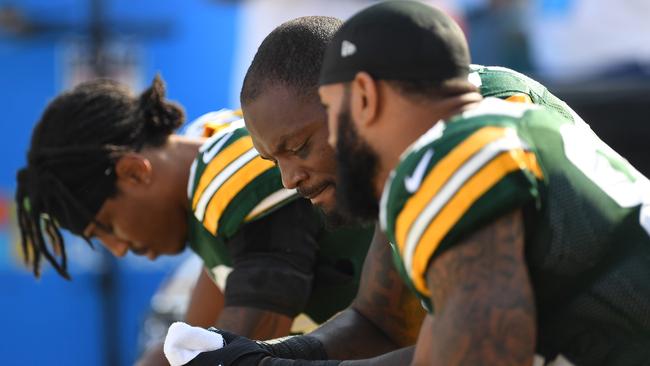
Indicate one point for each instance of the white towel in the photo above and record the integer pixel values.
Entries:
(184, 342)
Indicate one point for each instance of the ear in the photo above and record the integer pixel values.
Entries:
(133, 170)
(364, 95)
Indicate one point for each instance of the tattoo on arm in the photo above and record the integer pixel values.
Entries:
(385, 299)
(483, 300)
(384, 316)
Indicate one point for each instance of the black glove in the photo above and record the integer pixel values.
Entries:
(238, 351)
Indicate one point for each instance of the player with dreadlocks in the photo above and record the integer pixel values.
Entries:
(71, 167)
(104, 163)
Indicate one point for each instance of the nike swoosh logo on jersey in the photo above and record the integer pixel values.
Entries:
(412, 182)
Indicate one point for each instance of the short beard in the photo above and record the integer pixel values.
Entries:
(338, 219)
(357, 167)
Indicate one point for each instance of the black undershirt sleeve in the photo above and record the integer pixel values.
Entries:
(273, 260)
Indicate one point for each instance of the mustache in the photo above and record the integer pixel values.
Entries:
(308, 192)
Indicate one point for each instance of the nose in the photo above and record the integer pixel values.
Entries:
(114, 245)
(292, 174)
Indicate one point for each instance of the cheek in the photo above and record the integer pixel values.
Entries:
(323, 156)
(332, 126)
(136, 219)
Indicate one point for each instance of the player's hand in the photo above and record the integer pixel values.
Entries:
(238, 351)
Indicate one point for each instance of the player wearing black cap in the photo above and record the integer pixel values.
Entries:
(521, 230)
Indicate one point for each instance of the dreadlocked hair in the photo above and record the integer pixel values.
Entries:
(70, 163)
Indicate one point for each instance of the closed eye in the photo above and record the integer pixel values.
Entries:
(269, 159)
(302, 151)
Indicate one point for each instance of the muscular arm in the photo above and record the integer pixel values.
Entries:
(206, 309)
(205, 303)
(384, 316)
(485, 311)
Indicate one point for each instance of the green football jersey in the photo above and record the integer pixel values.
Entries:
(504, 83)
(230, 185)
(587, 219)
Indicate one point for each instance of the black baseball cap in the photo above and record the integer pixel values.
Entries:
(397, 40)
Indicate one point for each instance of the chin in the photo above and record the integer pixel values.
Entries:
(327, 207)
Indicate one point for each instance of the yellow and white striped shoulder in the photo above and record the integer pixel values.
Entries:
(452, 181)
(230, 184)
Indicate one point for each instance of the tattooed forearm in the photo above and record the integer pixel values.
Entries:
(385, 300)
(384, 316)
(485, 311)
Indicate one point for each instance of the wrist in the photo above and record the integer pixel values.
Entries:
(269, 361)
(296, 348)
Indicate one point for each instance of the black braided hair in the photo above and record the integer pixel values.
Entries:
(70, 163)
(291, 55)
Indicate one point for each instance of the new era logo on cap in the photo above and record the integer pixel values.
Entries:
(348, 48)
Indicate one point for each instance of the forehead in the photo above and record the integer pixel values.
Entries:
(279, 114)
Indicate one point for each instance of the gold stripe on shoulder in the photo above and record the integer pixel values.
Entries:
(219, 163)
(519, 98)
(455, 209)
(439, 175)
(225, 194)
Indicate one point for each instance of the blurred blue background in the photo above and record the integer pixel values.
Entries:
(202, 49)
(45, 47)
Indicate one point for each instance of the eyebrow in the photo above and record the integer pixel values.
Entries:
(284, 140)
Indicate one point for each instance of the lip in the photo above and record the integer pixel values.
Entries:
(316, 193)
(317, 198)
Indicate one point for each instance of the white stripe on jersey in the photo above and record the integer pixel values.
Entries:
(190, 181)
(219, 134)
(456, 181)
(475, 79)
(210, 153)
(270, 201)
(498, 107)
(383, 203)
(220, 179)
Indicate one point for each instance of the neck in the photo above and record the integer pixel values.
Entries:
(420, 116)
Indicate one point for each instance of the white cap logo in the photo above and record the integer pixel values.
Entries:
(348, 48)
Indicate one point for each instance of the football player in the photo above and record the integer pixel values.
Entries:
(104, 164)
(413, 88)
(518, 227)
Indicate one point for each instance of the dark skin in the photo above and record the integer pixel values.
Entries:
(487, 271)
(152, 194)
(290, 129)
(206, 309)
(383, 317)
(485, 312)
